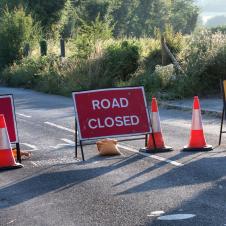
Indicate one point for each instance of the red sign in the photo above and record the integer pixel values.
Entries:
(8, 110)
(111, 112)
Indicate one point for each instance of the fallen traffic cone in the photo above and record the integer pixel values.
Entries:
(155, 141)
(7, 160)
(197, 138)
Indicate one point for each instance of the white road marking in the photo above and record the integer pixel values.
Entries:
(33, 147)
(150, 156)
(119, 145)
(60, 146)
(68, 141)
(35, 164)
(156, 213)
(12, 221)
(23, 115)
(59, 127)
(174, 217)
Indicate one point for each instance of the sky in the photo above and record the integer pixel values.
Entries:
(211, 8)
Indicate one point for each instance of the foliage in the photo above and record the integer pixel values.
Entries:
(121, 60)
(221, 29)
(130, 17)
(184, 16)
(204, 61)
(89, 35)
(51, 74)
(16, 29)
(140, 18)
(46, 12)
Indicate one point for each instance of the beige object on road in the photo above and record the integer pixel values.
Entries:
(22, 153)
(108, 147)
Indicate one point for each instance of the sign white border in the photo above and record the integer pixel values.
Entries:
(111, 136)
(10, 96)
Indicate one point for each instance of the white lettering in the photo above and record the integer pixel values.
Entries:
(96, 104)
(90, 125)
(105, 104)
(134, 120)
(127, 120)
(119, 121)
(109, 122)
(124, 102)
(115, 103)
(99, 123)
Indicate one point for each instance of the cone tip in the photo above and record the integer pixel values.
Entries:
(154, 105)
(196, 104)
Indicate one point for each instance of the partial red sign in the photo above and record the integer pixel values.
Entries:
(111, 112)
(8, 110)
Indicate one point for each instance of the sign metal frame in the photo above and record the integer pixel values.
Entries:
(79, 141)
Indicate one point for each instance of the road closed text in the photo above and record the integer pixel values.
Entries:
(117, 121)
(108, 122)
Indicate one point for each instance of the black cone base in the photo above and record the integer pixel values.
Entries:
(202, 149)
(16, 166)
(156, 150)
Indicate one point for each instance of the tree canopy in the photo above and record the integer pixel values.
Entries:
(128, 17)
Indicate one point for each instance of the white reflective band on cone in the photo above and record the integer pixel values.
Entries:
(4, 139)
(155, 122)
(196, 120)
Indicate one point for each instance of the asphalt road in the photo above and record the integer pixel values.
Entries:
(54, 188)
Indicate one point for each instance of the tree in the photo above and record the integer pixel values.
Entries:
(48, 12)
(184, 16)
(141, 17)
(16, 29)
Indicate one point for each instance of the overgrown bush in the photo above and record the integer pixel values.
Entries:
(155, 83)
(51, 74)
(204, 62)
(30, 71)
(128, 62)
(16, 29)
(121, 60)
(89, 35)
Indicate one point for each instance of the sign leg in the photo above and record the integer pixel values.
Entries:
(222, 122)
(146, 140)
(76, 139)
(18, 152)
(83, 159)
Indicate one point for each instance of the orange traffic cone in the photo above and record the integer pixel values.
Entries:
(155, 141)
(7, 160)
(197, 138)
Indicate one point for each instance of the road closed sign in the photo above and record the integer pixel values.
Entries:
(111, 112)
(8, 110)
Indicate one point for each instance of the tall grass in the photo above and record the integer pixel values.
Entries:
(126, 61)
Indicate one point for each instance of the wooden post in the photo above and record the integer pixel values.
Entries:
(43, 48)
(26, 50)
(62, 48)
(164, 54)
